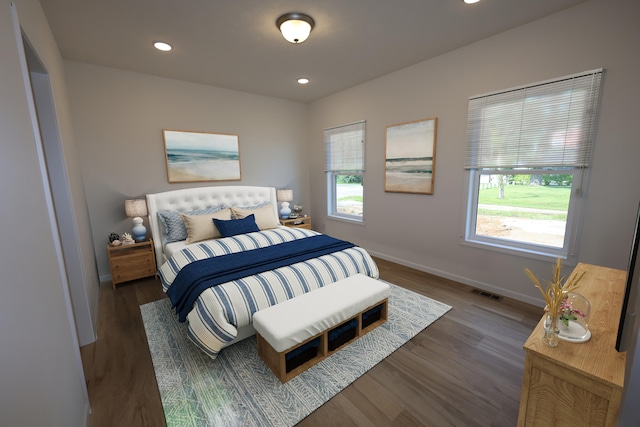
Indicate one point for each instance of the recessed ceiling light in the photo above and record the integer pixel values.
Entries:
(165, 47)
(471, 1)
(303, 81)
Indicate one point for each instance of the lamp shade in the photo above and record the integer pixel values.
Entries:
(285, 195)
(295, 27)
(135, 207)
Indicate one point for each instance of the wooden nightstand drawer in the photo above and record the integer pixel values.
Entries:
(126, 274)
(134, 260)
(131, 262)
(301, 222)
(143, 268)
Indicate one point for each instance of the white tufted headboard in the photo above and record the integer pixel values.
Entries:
(190, 199)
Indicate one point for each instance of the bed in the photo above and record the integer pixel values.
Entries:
(181, 223)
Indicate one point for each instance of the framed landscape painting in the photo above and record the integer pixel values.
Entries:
(410, 157)
(200, 156)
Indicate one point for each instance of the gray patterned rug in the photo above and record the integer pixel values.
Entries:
(238, 389)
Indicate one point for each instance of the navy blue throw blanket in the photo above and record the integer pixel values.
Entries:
(197, 276)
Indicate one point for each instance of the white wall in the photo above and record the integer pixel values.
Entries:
(41, 380)
(72, 211)
(424, 231)
(119, 117)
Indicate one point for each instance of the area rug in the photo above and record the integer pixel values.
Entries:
(238, 389)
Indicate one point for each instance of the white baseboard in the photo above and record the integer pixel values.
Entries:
(465, 280)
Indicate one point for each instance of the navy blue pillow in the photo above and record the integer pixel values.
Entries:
(233, 227)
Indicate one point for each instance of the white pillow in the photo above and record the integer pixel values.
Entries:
(265, 216)
(201, 227)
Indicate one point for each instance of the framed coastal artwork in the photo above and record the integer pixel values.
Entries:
(410, 157)
(200, 156)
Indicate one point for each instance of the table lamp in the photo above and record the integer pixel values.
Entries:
(136, 209)
(285, 196)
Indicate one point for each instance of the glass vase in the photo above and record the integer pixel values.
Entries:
(551, 330)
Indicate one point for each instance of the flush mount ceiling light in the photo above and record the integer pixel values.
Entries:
(303, 80)
(165, 47)
(295, 27)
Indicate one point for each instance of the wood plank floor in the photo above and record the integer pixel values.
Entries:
(463, 370)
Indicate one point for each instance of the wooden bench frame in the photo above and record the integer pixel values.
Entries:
(276, 361)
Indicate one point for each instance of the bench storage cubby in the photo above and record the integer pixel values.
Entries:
(298, 333)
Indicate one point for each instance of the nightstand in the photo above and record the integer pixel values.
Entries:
(130, 262)
(301, 222)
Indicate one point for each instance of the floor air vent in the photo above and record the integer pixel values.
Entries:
(486, 294)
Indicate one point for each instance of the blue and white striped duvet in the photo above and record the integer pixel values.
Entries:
(219, 311)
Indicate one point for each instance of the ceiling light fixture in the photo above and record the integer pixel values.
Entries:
(303, 80)
(471, 1)
(295, 27)
(165, 47)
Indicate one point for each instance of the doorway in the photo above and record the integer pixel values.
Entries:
(61, 194)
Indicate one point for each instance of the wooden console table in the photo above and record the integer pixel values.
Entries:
(578, 384)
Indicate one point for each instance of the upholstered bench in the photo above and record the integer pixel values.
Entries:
(296, 334)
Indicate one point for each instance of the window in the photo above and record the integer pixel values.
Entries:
(345, 171)
(528, 150)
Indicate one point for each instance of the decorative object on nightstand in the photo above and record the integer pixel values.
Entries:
(284, 196)
(136, 209)
(127, 239)
(130, 262)
(114, 239)
(297, 210)
(300, 222)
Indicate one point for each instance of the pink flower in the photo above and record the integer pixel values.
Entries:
(567, 312)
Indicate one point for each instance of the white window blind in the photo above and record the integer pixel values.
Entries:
(345, 148)
(547, 124)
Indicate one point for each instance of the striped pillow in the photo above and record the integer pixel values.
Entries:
(175, 231)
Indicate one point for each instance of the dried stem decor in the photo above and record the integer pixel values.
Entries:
(557, 289)
(554, 293)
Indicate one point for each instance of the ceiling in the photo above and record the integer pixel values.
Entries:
(235, 44)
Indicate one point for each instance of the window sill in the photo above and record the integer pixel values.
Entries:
(529, 253)
(347, 219)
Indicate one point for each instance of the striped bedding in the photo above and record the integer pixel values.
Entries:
(219, 311)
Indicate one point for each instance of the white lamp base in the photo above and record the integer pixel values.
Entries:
(285, 211)
(139, 232)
